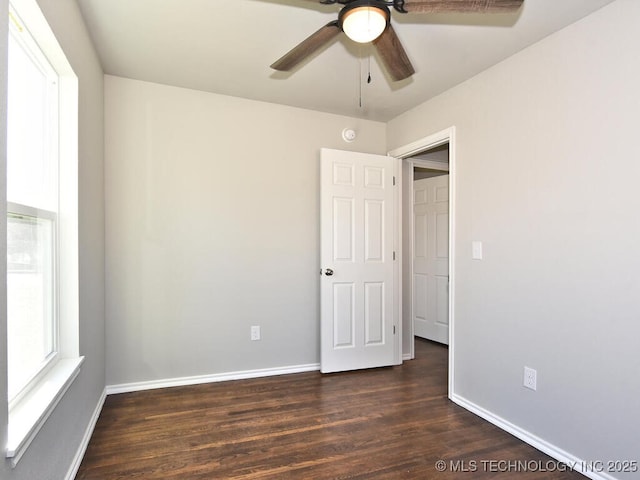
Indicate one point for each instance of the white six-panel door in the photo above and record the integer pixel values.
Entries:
(431, 258)
(357, 211)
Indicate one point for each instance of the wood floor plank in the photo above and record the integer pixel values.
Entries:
(388, 423)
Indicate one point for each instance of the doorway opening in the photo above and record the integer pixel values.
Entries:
(428, 180)
(429, 267)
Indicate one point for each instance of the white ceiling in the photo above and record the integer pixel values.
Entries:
(226, 47)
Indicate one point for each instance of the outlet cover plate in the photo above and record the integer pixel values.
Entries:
(255, 332)
(530, 378)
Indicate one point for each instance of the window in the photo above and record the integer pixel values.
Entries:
(32, 207)
(30, 299)
(42, 225)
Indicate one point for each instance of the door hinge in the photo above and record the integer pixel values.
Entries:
(394, 256)
(394, 329)
(394, 180)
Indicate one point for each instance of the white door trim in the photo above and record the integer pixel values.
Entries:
(430, 164)
(397, 268)
(439, 138)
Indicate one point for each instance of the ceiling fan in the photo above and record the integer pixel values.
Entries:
(367, 21)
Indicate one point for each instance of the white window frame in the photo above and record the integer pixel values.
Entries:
(29, 410)
(25, 40)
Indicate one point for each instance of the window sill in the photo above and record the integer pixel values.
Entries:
(28, 417)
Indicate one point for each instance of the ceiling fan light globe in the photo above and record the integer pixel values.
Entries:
(364, 24)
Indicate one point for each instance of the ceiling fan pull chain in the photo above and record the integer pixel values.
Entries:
(360, 76)
(369, 75)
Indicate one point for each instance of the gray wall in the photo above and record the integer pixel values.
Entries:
(547, 172)
(52, 452)
(211, 227)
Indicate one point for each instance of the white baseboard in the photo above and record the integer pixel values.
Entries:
(218, 377)
(407, 356)
(77, 459)
(553, 451)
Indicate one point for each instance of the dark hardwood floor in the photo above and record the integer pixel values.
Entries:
(387, 423)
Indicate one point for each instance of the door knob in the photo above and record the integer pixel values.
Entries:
(328, 272)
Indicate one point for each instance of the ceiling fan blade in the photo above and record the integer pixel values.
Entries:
(393, 55)
(307, 47)
(462, 6)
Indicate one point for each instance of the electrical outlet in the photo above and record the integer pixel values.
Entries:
(255, 332)
(530, 378)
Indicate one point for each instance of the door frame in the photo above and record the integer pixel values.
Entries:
(403, 153)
